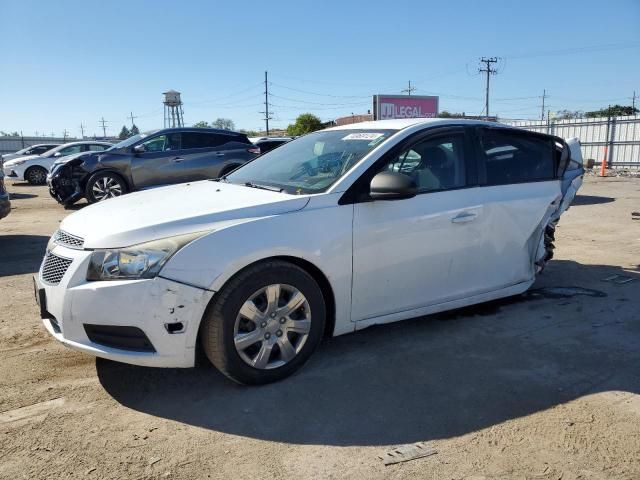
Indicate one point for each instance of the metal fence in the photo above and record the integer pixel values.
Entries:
(12, 144)
(615, 138)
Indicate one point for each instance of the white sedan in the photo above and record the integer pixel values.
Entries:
(332, 232)
(34, 168)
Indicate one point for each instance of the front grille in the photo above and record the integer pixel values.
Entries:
(54, 268)
(63, 238)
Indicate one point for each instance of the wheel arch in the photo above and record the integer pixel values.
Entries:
(316, 273)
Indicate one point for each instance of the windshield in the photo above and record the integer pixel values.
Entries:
(310, 164)
(131, 140)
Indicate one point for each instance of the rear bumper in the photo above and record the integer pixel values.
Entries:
(74, 310)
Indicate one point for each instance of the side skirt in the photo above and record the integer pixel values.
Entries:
(441, 307)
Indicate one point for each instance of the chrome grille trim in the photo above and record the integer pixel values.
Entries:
(66, 239)
(54, 267)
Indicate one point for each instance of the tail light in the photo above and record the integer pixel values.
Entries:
(254, 150)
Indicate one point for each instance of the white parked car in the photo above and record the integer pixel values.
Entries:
(31, 150)
(332, 232)
(34, 168)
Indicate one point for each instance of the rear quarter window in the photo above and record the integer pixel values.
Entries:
(516, 157)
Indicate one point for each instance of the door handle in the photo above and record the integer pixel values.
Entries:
(464, 218)
(177, 160)
(219, 154)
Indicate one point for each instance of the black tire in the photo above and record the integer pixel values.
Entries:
(227, 170)
(117, 186)
(217, 327)
(36, 175)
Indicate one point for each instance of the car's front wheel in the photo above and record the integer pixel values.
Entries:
(104, 185)
(36, 175)
(264, 324)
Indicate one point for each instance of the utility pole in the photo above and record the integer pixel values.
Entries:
(489, 71)
(409, 89)
(82, 129)
(65, 133)
(266, 103)
(132, 119)
(633, 100)
(544, 96)
(104, 128)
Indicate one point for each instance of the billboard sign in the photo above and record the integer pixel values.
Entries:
(404, 106)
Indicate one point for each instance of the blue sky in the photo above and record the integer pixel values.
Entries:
(67, 62)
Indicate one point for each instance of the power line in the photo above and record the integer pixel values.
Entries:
(132, 119)
(409, 89)
(104, 127)
(489, 71)
(266, 102)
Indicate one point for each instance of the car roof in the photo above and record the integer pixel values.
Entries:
(196, 129)
(272, 139)
(402, 123)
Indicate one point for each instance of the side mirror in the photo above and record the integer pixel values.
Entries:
(139, 149)
(57, 154)
(392, 186)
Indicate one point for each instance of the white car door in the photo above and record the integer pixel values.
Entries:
(520, 192)
(424, 250)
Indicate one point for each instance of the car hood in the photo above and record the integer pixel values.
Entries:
(68, 158)
(12, 162)
(174, 210)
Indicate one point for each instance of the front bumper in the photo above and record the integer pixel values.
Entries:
(63, 187)
(151, 305)
(9, 172)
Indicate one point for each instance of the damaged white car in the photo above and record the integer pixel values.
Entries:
(332, 232)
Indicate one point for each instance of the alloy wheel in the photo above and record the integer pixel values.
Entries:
(106, 187)
(272, 326)
(37, 176)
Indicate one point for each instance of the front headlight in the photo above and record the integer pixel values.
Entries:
(17, 162)
(139, 261)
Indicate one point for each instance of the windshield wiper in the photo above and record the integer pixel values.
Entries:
(263, 187)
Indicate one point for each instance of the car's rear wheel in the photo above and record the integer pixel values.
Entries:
(264, 324)
(36, 175)
(104, 185)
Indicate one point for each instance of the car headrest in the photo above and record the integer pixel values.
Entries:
(433, 157)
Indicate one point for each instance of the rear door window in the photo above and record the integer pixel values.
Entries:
(516, 157)
(204, 140)
(96, 147)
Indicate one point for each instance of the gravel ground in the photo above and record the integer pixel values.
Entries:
(542, 386)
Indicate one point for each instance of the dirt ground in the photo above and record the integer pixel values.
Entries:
(542, 386)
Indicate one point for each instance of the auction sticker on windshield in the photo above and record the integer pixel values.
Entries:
(363, 136)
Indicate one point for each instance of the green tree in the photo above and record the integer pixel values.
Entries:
(249, 133)
(124, 133)
(224, 124)
(305, 123)
(134, 130)
(613, 111)
(445, 114)
(568, 114)
(201, 124)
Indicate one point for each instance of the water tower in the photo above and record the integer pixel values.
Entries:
(173, 114)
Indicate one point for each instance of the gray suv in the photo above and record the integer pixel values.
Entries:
(158, 157)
